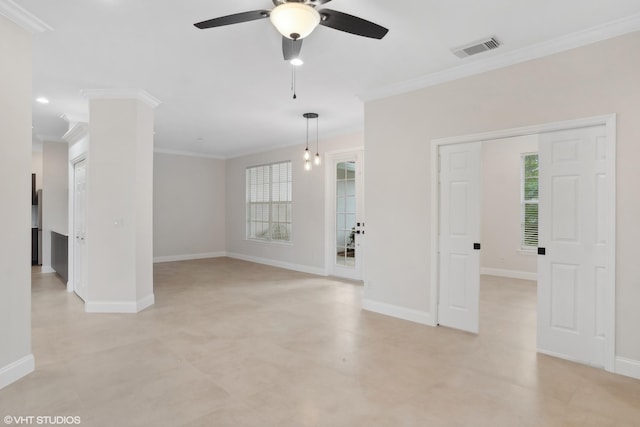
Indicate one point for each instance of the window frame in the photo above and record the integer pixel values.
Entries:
(268, 204)
(524, 202)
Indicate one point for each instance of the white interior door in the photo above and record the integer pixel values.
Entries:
(79, 228)
(573, 224)
(459, 240)
(347, 225)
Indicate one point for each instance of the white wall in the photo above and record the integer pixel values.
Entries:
(16, 359)
(189, 207)
(55, 194)
(501, 209)
(598, 79)
(306, 253)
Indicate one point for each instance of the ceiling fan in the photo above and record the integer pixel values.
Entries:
(296, 19)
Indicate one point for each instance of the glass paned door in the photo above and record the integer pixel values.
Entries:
(346, 213)
(345, 242)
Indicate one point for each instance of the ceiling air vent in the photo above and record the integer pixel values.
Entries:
(476, 47)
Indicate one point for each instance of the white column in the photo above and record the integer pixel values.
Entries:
(16, 359)
(119, 234)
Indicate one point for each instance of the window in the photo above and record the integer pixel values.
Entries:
(269, 202)
(529, 201)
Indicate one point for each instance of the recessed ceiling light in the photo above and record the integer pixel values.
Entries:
(42, 100)
(296, 61)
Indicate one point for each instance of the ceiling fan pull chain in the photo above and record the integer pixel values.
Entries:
(293, 81)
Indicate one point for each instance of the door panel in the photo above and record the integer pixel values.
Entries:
(459, 269)
(79, 229)
(572, 275)
(347, 226)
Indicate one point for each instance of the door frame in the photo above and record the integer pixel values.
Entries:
(609, 122)
(72, 217)
(330, 158)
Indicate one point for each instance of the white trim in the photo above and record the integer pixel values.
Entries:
(187, 153)
(139, 94)
(187, 257)
(78, 131)
(318, 271)
(609, 121)
(22, 17)
(123, 307)
(628, 367)
(404, 313)
(16, 370)
(571, 41)
(46, 269)
(512, 274)
(145, 302)
(73, 119)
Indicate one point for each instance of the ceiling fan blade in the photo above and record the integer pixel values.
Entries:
(291, 48)
(233, 19)
(351, 24)
(319, 2)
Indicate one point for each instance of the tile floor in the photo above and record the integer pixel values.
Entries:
(231, 343)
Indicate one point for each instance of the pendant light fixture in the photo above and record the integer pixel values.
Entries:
(307, 153)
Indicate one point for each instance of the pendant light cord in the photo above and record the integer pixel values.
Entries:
(307, 134)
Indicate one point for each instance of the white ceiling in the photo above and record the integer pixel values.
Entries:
(226, 91)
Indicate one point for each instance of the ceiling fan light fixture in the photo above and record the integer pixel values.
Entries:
(294, 20)
(296, 62)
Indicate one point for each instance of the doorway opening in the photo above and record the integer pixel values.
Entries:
(577, 197)
(509, 236)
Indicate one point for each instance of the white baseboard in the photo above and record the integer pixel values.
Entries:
(512, 274)
(122, 307)
(16, 370)
(145, 302)
(628, 367)
(280, 264)
(404, 313)
(46, 269)
(187, 257)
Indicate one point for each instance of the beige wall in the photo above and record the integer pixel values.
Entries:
(598, 79)
(501, 209)
(307, 251)
(55, 194)
(15, 192)
(188, 207)
(119, 205)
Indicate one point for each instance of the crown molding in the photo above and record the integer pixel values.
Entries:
(139, 94)
(187, 153)
(78, 131)
(72, 119)
(22, 17)
(571, 41)
(48, 138)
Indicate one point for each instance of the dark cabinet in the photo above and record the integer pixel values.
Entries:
(34, 246)
(34, 193)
